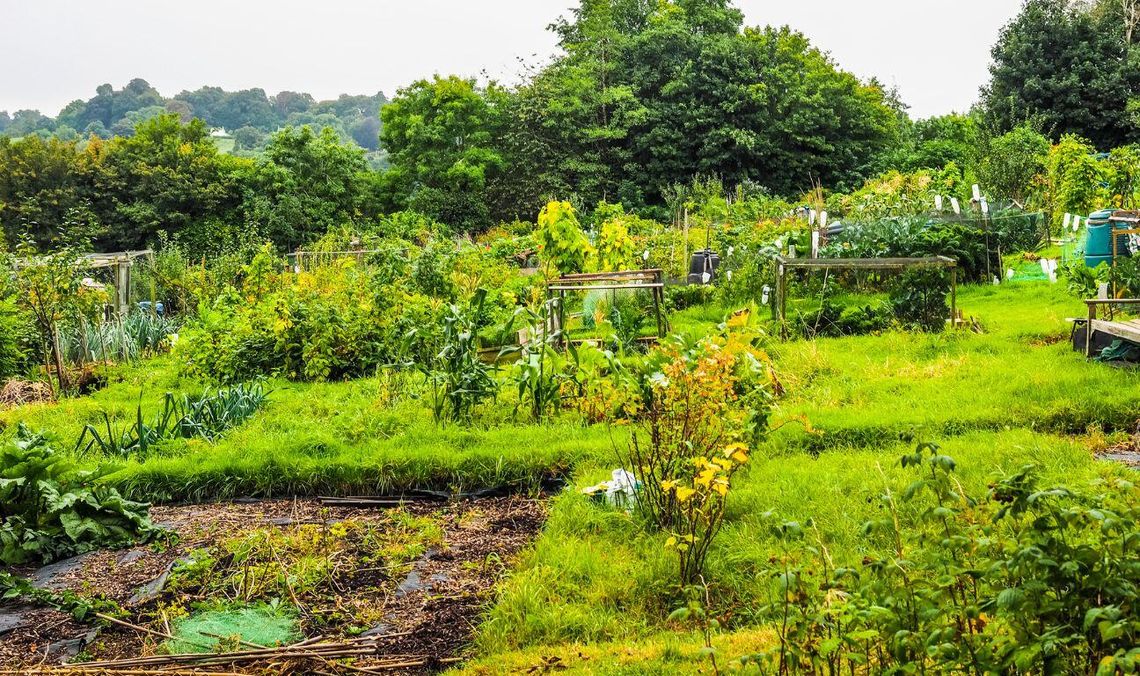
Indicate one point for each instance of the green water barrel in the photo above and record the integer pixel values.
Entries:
(1098, 242)
(1093, 261)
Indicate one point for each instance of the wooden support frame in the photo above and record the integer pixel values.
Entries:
(120, 264)
(1127, 331)
(652, 280)
(784, 264)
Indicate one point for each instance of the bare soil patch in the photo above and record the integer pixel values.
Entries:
(415, 606)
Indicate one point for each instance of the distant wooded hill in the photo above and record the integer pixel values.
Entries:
(248, 115)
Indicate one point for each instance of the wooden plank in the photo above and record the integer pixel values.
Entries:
(1112, 301)
(1123, 330)
(621, 274)
(605, 287)
(869, 263)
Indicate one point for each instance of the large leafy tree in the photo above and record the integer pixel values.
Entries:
(45, 191)
(306, 183)
(649, 94)
(1068, 68)
(1013, 162)
(168, 177)
(438, 135)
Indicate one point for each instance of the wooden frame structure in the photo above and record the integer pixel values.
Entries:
(1126, 330)
(784, 264)
(1130, 217)
(652, 280)
(120, 263)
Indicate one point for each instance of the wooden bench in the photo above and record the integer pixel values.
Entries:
(1125, 330)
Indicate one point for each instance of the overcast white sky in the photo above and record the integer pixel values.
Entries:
(54, 51)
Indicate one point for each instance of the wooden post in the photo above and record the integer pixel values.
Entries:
(562, 318)
(1089, 329)
(122, 286)
(685, 260)
(953, 297)
(781, 297)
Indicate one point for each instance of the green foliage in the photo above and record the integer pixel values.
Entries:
(1026, 577)
(1013, 161)
(48, 289)
(206, 417)
(833, 319)
(168, 177)
(18, 339)
(969, 242)
(702, 407)
(542, 374)
(459, 380)
(1068, 67)
(51, 511)
(614, 248)
(1073, 179)
(80, 607)
(138, 335)
(438, 135)
(919, 299)
(561, 241)
(45, 191)
(306, 183)
(943, 140)
(628, 314)
(331, 322)
(648, 95)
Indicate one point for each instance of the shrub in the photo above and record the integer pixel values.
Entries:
(919, 299)
(561, 242)
(332, 322)
(17, 340)
(702, 406)
(1024, 579)
(50, 510)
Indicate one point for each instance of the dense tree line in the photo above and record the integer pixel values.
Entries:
(1069, 67)
(168, 180)
(645, 95)
(641, 98)
(250, 115)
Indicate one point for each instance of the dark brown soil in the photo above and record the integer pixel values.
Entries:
(430, 614)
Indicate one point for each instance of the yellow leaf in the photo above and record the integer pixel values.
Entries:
(684, 493)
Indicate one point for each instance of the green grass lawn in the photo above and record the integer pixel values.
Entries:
(1012, 396)
(594, 591)
(367, 436)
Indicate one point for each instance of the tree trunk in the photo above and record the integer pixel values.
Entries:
(59, 372)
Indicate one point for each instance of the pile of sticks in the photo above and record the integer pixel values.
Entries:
(284, 658)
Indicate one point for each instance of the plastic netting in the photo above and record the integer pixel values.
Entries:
(261, 625)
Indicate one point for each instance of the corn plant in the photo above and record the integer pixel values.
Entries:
(459, 381)
(540, 372)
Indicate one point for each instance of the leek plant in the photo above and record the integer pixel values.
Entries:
(122, 339)
(206, 417)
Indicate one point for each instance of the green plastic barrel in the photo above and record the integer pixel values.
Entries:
(1098, 242)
